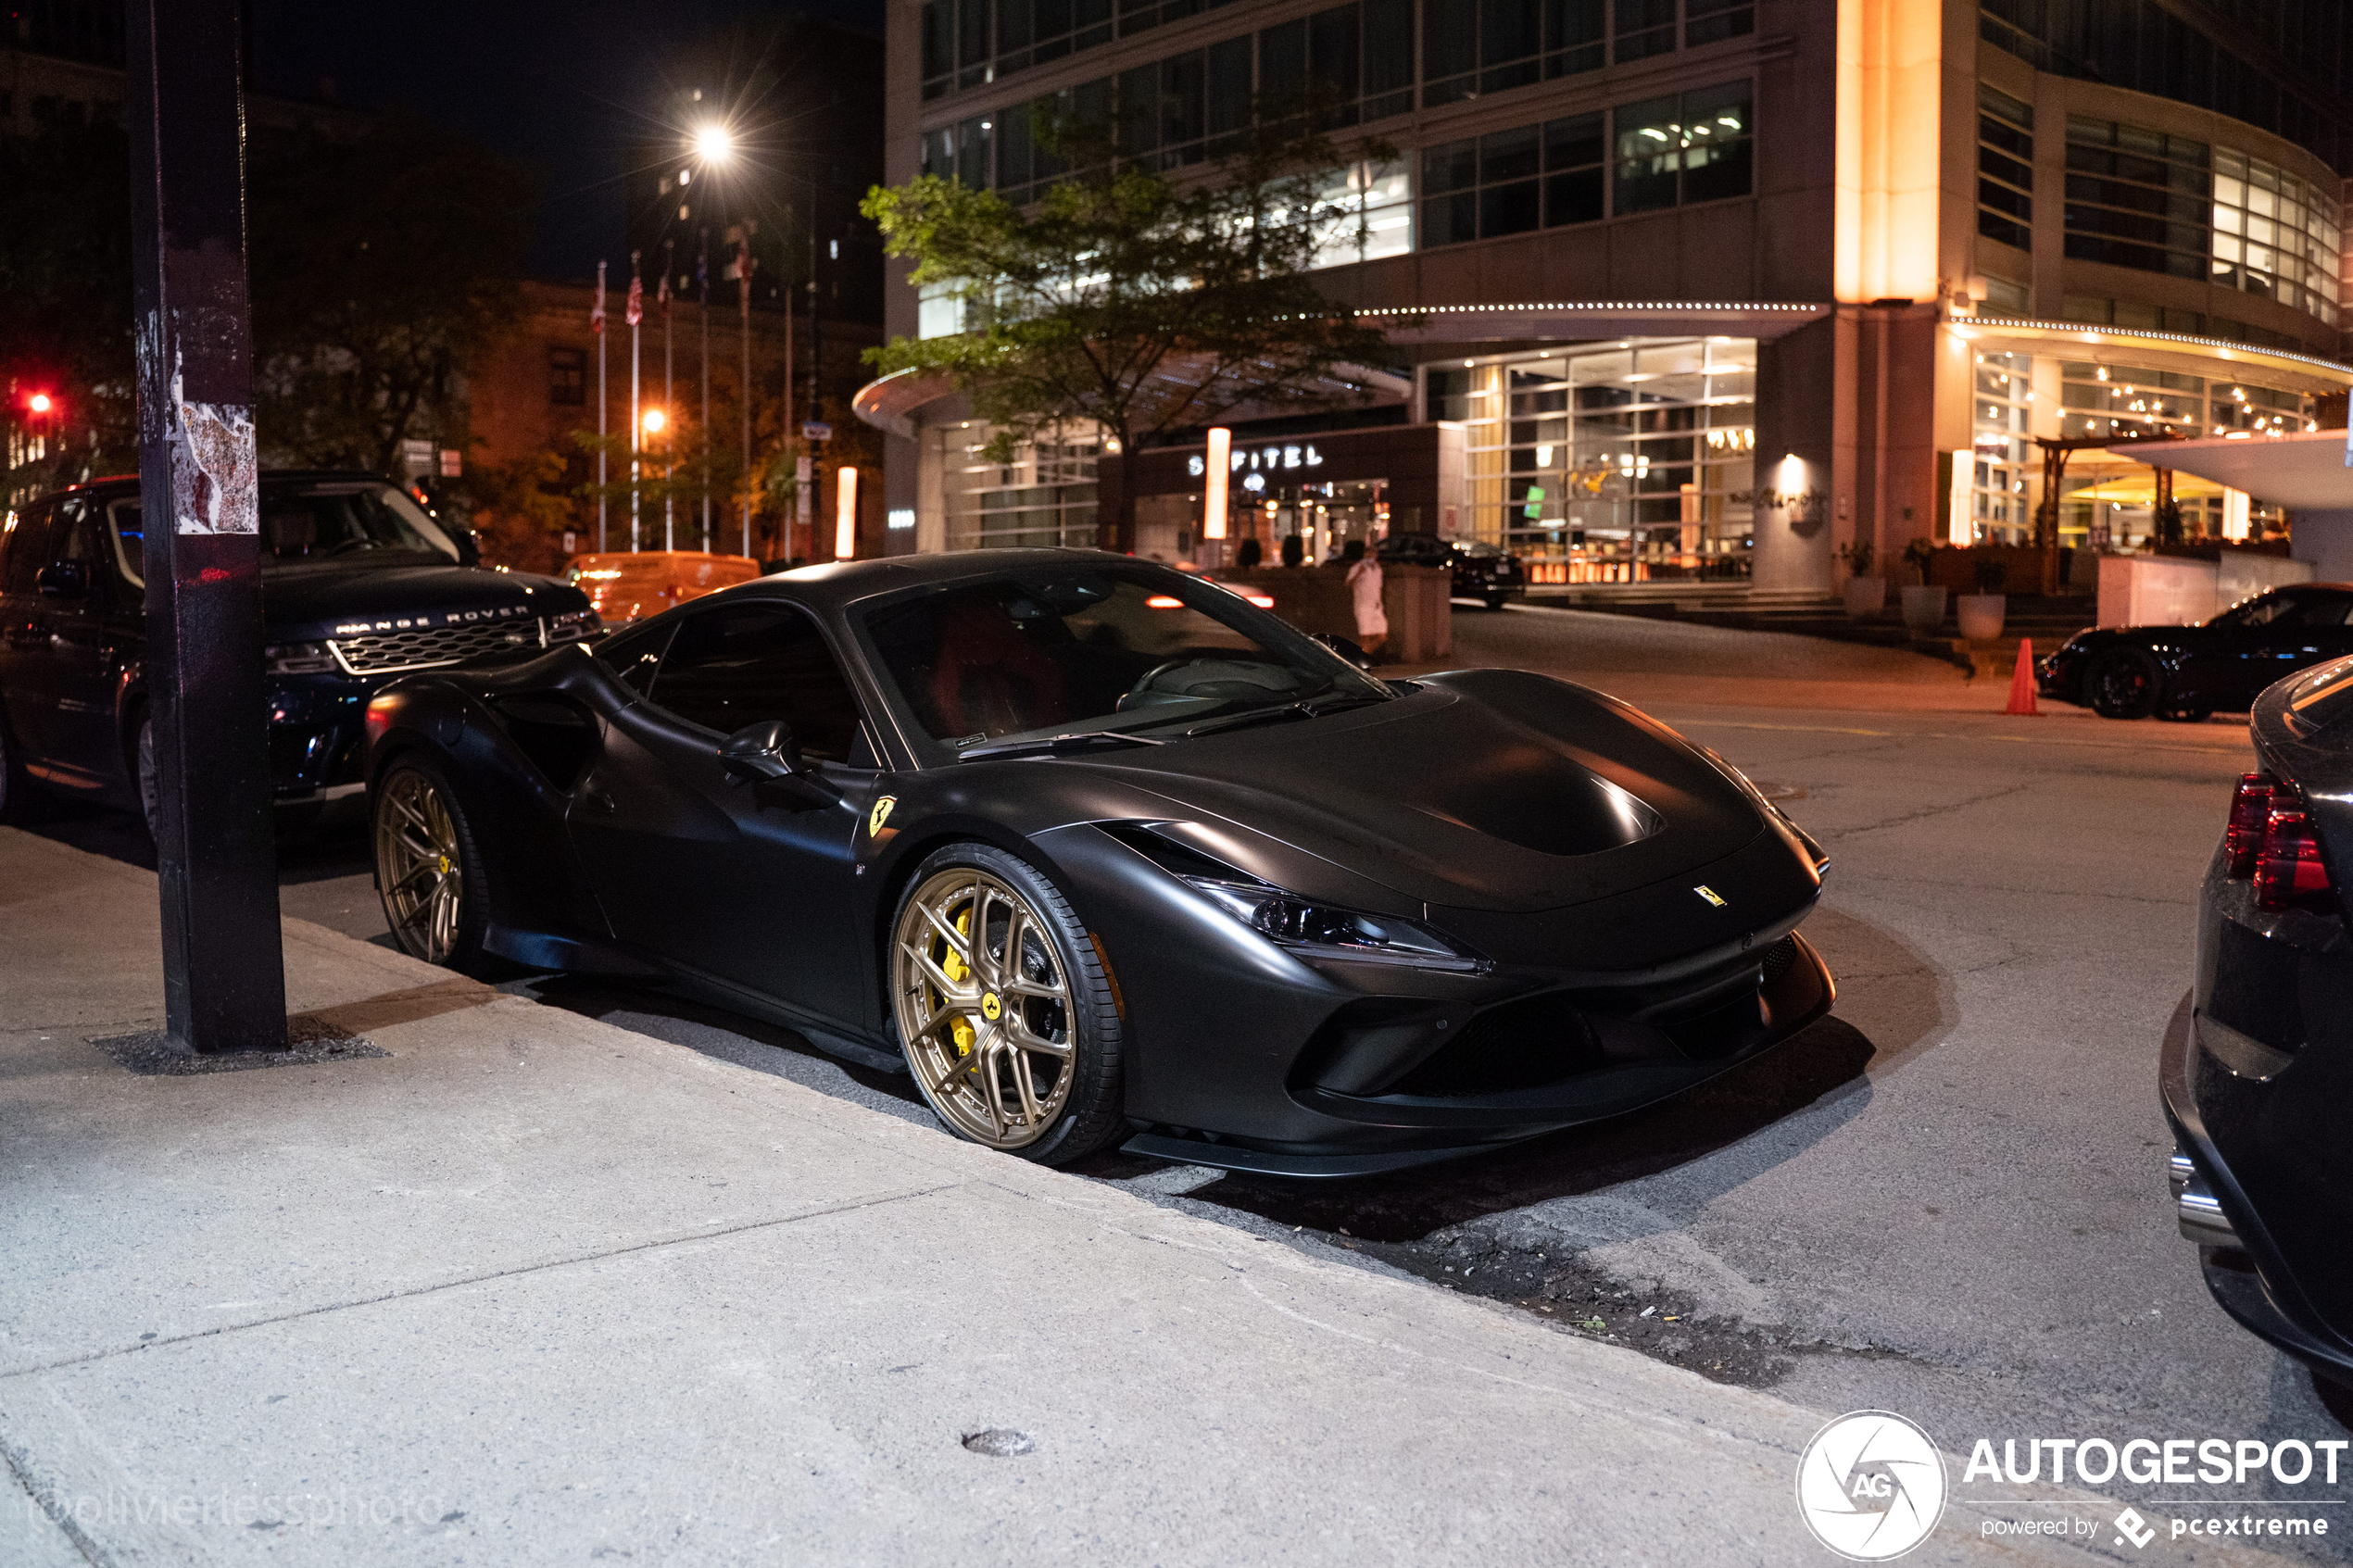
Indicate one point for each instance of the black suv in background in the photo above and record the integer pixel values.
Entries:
(359, 585)
(1482, 570)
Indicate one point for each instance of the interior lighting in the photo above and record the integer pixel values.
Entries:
(1219, 462)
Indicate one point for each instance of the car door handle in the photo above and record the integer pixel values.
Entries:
(591, 795)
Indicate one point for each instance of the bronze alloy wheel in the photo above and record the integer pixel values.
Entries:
(983, 1007)
(420, 866)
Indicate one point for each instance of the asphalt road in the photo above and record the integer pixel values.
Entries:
(1948, 1199)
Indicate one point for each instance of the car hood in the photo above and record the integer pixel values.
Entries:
(307, 602)
(1485, 789)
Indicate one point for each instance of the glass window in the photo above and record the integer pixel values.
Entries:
(567, 377)
(356, 522)
(27, 550)
(1649, 142)
(130, 542)
(1644, 28)
(635, 654)
(746, 664)
(1712, 21)
(1088, 649)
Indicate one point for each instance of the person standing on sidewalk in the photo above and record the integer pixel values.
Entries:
(1364, 593)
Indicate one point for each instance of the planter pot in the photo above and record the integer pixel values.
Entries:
(1981, 614)
(1865, 596)
(1923, 609)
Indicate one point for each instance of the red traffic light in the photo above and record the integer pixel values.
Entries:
(39, 403)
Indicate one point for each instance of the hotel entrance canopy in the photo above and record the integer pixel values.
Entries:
(2303, 471)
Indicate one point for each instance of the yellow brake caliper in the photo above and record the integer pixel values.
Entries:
(960, 1029)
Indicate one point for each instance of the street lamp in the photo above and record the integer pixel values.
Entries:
(653, 422)
(714, 144)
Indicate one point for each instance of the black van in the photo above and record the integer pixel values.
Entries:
(359, 585)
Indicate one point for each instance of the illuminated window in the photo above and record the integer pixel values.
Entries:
(2005, 168)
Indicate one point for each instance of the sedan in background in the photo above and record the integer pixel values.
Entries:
(2256, 1066)
(2189, 673)
(1104, 853)
(1482, 572)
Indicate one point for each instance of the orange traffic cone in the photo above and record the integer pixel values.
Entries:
(2022, 682)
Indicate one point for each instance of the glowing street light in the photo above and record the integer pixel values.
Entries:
(653, 422)
(714, 145)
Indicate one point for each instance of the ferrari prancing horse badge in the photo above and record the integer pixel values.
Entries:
(879, 815)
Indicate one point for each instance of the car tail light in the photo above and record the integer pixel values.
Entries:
(2288, 870)
(2244, 838)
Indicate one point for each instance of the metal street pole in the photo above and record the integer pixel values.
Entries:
(792, 432)
(600, 321)
(637, 310)
(702, 282)
(805, 493)
(743, 301)
(669, 401)
(224, 979)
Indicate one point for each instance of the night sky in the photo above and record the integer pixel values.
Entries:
(563, 87)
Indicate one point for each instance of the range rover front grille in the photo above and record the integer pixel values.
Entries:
(430, 647)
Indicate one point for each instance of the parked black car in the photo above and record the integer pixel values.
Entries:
(359, 585)
(2257, 1062)
(1101, 851)
(1482, 570)
(2187, 673)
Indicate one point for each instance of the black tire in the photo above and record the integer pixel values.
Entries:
(2189, 713)
(1497, 601)
(2124, 684)
(1089, 1097)
(143, 778)
(16, 784)
(421, 834)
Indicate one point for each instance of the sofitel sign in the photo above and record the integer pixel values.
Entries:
(1304, 456)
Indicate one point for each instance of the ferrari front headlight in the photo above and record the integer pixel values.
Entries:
(1318, 930)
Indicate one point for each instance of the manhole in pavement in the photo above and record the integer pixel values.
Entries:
(1000, 1442)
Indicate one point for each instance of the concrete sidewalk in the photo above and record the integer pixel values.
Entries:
(529, 1289)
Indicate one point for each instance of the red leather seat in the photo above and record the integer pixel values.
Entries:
(991, 678)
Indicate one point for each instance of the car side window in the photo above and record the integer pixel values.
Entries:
(130, 542)
(2319, 611)
(28, 552)
(745, 664)
(633, 655)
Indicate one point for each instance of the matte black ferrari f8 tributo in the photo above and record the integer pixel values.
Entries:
(1102, 852)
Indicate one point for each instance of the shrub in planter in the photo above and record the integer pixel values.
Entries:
(1982, 612)
(1866, 595)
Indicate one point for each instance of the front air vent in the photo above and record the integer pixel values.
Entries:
(1519, 1044)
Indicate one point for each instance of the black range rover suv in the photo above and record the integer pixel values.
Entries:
(358, 586)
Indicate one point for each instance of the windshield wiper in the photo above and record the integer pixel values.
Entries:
(1309, 709)
(1055, 746)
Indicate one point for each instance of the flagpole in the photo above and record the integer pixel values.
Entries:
(669, 401)
(792, 431)
(636, 309)
(702, 282)
(600, 320)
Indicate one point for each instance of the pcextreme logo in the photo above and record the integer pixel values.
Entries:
(1871, 1485)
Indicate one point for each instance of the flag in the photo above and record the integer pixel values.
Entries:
(636, 311)
(597, 316)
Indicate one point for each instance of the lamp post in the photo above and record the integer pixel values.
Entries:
(668, 505)
(702, 283)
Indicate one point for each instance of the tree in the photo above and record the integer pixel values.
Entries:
(380, 267)
(1136, 301)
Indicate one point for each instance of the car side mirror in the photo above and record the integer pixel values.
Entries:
(765, 755)
(1346, 647)
(63, 580)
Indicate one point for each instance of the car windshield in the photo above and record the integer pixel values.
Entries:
(1037, 655)
(353, 522)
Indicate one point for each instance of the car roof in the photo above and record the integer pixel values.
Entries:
(129, 481)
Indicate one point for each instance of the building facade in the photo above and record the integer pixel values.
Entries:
(1712, 288)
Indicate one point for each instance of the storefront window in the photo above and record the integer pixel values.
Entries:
(1621, 462)
(2002, 456)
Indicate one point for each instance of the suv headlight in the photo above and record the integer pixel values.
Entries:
(1328, 930)
(572, 625)
(299, 658)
